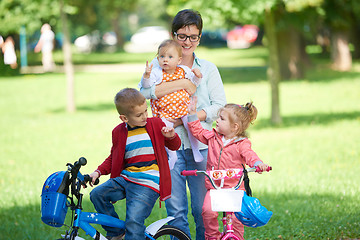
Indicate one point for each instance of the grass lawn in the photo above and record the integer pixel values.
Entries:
(313, 189)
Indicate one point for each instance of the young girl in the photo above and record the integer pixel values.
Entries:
(229, 147)
(173, 105)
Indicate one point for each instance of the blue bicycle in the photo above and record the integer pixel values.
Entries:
(61, 191)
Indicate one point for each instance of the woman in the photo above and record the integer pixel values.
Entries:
(186, 30)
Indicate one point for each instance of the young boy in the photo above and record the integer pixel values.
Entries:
(137, 164)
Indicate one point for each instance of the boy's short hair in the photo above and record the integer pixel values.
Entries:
(127, 99)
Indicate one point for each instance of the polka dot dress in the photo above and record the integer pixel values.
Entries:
(173, 105)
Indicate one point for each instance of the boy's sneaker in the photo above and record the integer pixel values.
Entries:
(120, 237)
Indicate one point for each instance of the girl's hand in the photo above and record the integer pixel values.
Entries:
(192, 105)
(168, 132)
(147, 70)
(263, 166)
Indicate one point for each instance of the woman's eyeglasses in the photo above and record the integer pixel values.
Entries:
(183, 37)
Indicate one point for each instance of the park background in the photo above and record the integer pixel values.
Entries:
(307, 95)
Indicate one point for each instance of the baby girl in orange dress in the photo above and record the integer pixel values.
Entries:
(173, 105)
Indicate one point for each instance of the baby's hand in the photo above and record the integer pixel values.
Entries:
(147, 70)
(168, 132)
(263, 166)
(197, 72)
(192, 105)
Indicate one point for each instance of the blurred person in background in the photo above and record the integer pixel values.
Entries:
(1, 41)
(46, 46)
(8, 48)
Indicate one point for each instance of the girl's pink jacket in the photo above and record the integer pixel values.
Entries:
(232, 155)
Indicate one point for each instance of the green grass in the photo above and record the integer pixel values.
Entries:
(313, 189)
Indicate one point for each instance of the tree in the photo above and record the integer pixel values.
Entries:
(68, 65)
(338, 15)
(17, 13)
(112, 10)
(274, 68)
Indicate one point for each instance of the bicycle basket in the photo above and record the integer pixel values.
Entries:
(53, 199)
(252, 213)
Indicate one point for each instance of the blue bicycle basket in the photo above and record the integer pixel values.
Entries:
(53, 199)
(253, 214)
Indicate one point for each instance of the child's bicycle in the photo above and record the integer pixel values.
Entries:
(62, 189)
(230, 201)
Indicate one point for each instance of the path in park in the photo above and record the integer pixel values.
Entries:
(90, 68)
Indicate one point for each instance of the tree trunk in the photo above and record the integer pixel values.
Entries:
(355, 39)
(340, 51)
(274, 69)
(290, 54)
(115, 22)
(323, 39)
(68, 65)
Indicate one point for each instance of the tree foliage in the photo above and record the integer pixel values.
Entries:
(28, 13)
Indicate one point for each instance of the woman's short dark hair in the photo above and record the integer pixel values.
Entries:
(187, 17)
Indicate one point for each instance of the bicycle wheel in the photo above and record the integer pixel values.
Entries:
(171, 232)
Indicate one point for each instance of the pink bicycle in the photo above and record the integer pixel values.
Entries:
(231, 201)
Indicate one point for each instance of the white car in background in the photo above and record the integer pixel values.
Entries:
(147, 39)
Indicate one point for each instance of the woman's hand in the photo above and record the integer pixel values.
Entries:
(176, 122)
(165, 88)
(190, 88)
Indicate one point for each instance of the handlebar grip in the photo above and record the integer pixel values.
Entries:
(82, 161)
(96, 181)
(87, 178)
(259, 170)
(189, 173)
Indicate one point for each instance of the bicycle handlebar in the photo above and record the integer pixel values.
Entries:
(189, 172)
(269, 168)
(81, 162)
(74, 170)
(229, 171)
(224, 174)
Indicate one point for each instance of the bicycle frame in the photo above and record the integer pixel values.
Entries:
(83, 220)
(228, 232)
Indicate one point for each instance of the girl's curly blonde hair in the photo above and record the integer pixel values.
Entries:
(243, 115)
